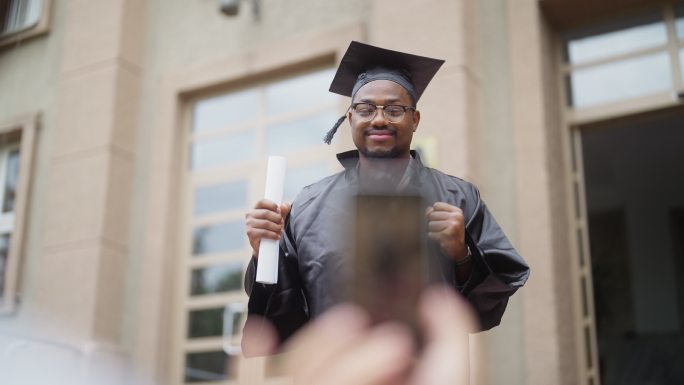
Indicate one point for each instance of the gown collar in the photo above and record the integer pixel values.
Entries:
(350, 159)
(409, 181)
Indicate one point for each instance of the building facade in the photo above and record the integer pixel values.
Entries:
(134, 137)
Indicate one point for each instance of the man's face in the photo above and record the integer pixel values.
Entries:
(378, 138)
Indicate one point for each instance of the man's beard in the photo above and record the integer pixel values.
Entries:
(380, 154)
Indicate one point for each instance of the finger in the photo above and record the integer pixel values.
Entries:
(343, 316)
(259, 234)
(262, 224)
(444, 215)
(382, 355)
(266, 204)
(441, 303)
(428, 211)
(322, 340)
(447, 320)
(255, 243)
(437, 226)
(265, 214)
(285, 210)
(441, 206)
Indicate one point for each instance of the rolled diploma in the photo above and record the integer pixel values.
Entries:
(267, 267)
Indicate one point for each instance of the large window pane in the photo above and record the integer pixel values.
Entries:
(223, 151)
(616, 38)
(218, 238)
(206, 366)
(12, 177)
(299, 93)
(4, 250)
(638, 302)
(225, 110)
(296, 179)
(621, 80)
(216, 279)
(222, 197)
(205, 323)
(299, 134)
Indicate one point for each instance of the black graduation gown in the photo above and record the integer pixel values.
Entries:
(312, 248)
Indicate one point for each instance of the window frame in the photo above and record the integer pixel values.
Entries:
(574, 120)
(161, 247)
(613, 109)
(24, 128)
(40, 28)
(253, 171)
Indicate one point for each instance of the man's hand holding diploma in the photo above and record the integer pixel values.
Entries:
(266, 221)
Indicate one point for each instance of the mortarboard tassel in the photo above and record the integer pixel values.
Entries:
(329, 135)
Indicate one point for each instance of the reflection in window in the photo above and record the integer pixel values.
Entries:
(679, 12)
(222, 111)
(299, 93)
(223, 151)
(222, 197)
(19, 15)
(11, 179)
(299, 134)
(621, 80)
(298, 178)
(216, 279)
(206, 366)
(4, 250)
(205, 323)
(638, 322)
(218, 238)
(612, 39)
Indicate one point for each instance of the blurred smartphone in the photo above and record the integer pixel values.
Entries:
(390, 260)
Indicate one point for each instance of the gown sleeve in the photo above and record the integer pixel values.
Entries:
(284, 303)
(498, 269)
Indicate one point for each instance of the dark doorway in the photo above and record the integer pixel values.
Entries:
(634, 179)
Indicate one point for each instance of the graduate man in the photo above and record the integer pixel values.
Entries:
(467, 248)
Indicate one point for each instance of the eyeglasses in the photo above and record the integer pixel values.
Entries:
(394, 113)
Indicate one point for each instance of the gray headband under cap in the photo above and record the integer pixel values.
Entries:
(380, 73)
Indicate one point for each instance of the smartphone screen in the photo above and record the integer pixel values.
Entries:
(390, 264)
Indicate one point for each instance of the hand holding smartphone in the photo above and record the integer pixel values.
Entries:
(390, 261)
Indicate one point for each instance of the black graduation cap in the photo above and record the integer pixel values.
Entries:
(363, 63)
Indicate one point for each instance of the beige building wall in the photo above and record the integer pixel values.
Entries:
(111, 82)
(28, 87)
(82, 79)
(504, 344)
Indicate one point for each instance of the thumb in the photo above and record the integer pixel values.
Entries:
(285, 210)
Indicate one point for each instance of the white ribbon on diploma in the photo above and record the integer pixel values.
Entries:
(267, 267)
